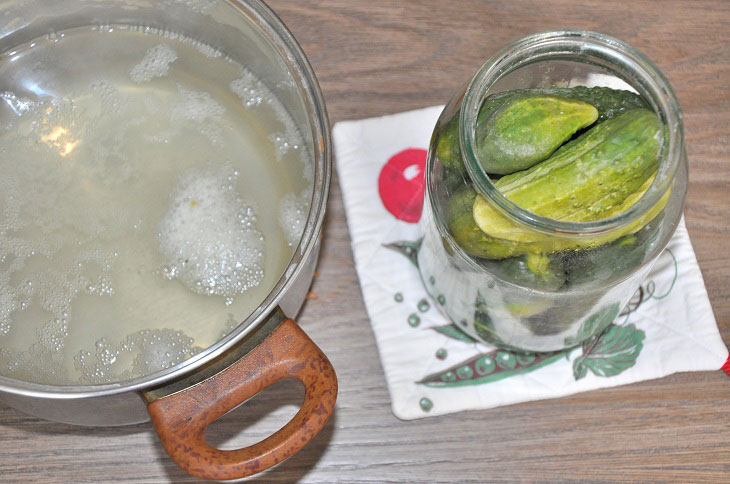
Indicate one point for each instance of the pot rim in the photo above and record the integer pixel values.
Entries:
(273, 29)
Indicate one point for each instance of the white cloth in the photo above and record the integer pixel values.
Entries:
(680, 332)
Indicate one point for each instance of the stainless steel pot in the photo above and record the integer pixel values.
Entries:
(267, 346)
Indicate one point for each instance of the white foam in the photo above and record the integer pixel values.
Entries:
(160, 349)
(196, 106)
(293, 212)
(53, 334)
(188, 106)
(8, 305)
(203, 48)
(253, 92)
(35, 364)
(111, 100)
(148, 351)
(33, 210)
(209, 236)
(155, 63)
(250, 90)
(98, 367)
(103, 287)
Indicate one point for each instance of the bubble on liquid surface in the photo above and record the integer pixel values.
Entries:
(155, 63)
(254, 93)
(282, 145)
(148, 350)
(52, 335)
(209, 236)
(43, 234)
(196, 106)
(159, 349)
(34, 364)
(293, 216)
(8, 305)
(250, 90)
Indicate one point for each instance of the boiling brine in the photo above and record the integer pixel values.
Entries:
(151, 193)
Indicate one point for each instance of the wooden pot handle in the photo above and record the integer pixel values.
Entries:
(181, 418)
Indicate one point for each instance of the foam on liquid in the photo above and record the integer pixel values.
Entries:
(151, 193)
(155, 63)
(211, 234)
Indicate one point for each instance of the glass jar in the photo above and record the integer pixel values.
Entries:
(551, 284)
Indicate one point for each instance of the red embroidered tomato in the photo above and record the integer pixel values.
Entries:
(401, 184)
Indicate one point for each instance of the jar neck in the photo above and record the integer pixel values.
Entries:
(607, 54)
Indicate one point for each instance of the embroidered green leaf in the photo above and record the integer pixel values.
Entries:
(489, 367)
(594, 324)
(610, 353)
(407, 248)
(453, 332)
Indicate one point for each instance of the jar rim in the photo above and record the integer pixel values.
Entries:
(585, 47)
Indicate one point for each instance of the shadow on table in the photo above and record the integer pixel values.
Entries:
(21, 422)
(247, 424)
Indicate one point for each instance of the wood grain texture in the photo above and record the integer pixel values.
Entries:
(383, 56)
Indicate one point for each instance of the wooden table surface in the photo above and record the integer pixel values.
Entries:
(384, 56)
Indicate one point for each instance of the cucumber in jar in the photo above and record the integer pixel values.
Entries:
(593, 177)
(607, 101)
(610, 261)
(527, 129)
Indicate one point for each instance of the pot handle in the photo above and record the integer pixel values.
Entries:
(181, 418)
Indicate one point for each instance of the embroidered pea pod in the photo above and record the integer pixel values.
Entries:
(607, 354)
(489, 367)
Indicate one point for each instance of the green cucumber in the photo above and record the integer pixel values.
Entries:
(448, 149)
(525, 130)
(467, 234)
(611, 261)
(590, 178)
(536, 271)
(609, 103)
